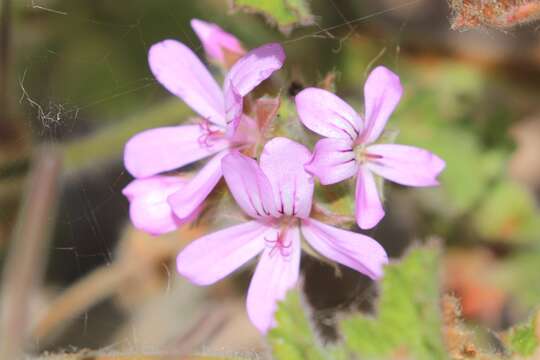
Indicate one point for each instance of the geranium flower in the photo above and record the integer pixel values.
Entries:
(350, 149)
(219, 45)
(277, 196)
(148, 207)
(223, 126)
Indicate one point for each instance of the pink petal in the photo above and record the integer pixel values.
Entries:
(327, 115)
(406, 165)
(283, 160)
(249, 185)
(184, 202)
(369, 210)
(148, 207)
(215, 40)
(248, 72)
(214, 256)
(234, 106)
(382, 92)
(181, 72)
(276, 273)
(162, 149)
(333, 161)
(357, 251)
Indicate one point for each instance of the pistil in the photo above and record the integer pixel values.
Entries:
(209, 134)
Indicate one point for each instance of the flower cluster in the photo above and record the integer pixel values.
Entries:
(276, 192)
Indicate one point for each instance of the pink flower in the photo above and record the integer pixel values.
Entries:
(223, 126)
(218, 44)
(277, 195)
(149, 210)
(350, 148)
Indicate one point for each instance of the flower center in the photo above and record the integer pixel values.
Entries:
(209, 134)
(363, 156)
(282, 244)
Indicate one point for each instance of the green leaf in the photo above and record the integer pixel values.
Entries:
(522, 339)
(293, 338)
(285, 13)
(469, 167)
(508, 213)
(408, 320)
(517, 275)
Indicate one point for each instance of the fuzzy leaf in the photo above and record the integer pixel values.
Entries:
(408, 321)
(508, 213)
(461, 189)
(285, 13)
(522, 339)
(293, 338)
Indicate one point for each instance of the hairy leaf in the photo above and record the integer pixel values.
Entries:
(523, 339)
(293, 338)
(408, 321)
(285, 13)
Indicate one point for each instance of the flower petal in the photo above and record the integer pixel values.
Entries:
(214, 40)
(249, 185)
(276, 273)
(327, 115)
(333, 161)
(234, 106)
(357, 251)
(214, 256)
(248, 72)
(162, 149)
(382, 92)
(181, 72)
(184, 202)
(368, 208)
(406, 165)
(148, 207)
(283, 160)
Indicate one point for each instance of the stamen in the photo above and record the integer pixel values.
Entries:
(369, 156)
(209, 135)
(362, 156)
(280, 242)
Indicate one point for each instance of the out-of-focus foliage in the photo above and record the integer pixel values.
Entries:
(285, 13)
(523, 339)
(509, 213)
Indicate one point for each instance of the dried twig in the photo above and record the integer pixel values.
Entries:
(138, 254)
(26, 261)
(5, 37)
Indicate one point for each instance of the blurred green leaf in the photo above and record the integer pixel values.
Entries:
(285, 13)
(469, 168)
(408, 320)
(509, 213)
(522, 339)
(517, 275)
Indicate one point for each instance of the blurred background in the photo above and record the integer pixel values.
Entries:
(75, 86)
